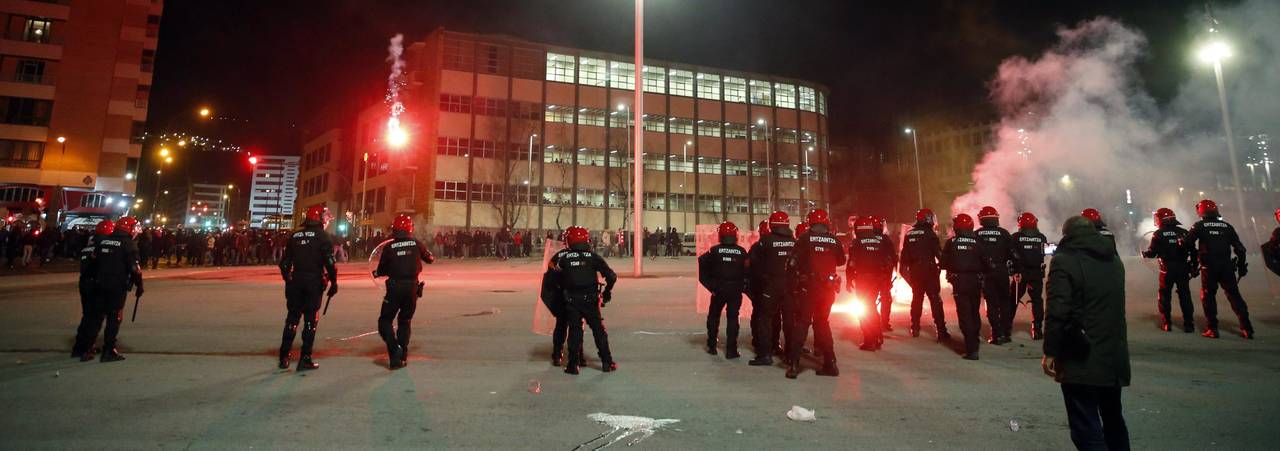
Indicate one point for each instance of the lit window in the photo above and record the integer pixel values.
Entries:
(822, 104)
(592, 72)
(709, 128)
(590, 157)
(621, 119)
(655, 123)
(785, 135)
(622, 75)
(655, 79)
(654, 162)
(808, 101)
(735, 131)
(761, 93)
(557, 113)
(735, 167)
(681, 125)
(785, 95)
(709, 86)
(735, 89)
(681, 83)
(591, 116)
(708, 165)
(560, 67)
(554, 154)
(680, 163)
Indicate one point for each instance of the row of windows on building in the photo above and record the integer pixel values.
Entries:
(677, 125)
(595, 198)
(21, 154)
(374, 200)
(675, 163)
(317, 157)
(677, 82)
(315, 185)
(486, 106)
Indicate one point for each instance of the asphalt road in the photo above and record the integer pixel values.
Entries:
(201, 374)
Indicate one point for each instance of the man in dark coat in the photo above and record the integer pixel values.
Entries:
(1086, 348)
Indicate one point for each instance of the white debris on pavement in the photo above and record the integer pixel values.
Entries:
(798, 413)
(625, 426)
(645, 332)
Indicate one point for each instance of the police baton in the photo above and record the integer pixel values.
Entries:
(326, 305)
(135, 308)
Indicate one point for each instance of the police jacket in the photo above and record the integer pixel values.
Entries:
(1214, 240)
(402, 258)
(768, 258)
(997, 245)
(1169, 245)
(962, 254)
(920, 249)
(1271, 252)
(308, 255)
(816, 257)
(723, 267)
(115, 260)
(1029, 247)
(870, 255)
(577, 271)
(86, 257)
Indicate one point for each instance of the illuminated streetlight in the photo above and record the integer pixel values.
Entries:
(62, 139)
(164, 151)
(204, 112)
(182, 143)
(915, 144)
(1214, 52)
(168, 159)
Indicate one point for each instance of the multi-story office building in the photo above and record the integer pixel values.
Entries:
(207, 206)
(325, 175)
(274, 191)
(505, 131)
(75, 78)
(948, 155)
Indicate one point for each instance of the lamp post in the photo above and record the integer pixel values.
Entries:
(1214, 52)
(768, 164)
(637, 203)
(915, 144)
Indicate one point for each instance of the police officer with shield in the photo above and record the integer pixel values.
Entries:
(1029, 246)
(578, 269)
(401, 263)
(306, 266)
(722, 270)
(1177, 267)
(773, 311)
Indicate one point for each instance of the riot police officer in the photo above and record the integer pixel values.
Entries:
(966, 263)
(869, 260)
(773, 311)
(1214, 240)
(997, 245)
(885, 287)
(306, 266)
(115, 271)
(88, 294)
(1029, 245)
(1095, 217)
(1271, 249)
(921, 251)
(1177, 267)
(722, 270)
(577, 268)
(400, 263)
(817, 255)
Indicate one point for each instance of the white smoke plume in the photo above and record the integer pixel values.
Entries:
(396, 81)
(1078, 129)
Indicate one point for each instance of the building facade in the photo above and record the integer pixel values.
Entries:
(325, 176)
(75, 80)
(510, 132)
(274, 191)
(207, 206)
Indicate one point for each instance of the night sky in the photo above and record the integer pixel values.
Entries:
(285, 69)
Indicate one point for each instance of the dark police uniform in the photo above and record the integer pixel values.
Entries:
(1271, 252)
(88, 299)
(884, 292)
(400, 263)
(1215, 240)
(1029, 246)
(1168, 244)
(921, 252)
(870, 260)
(722, 270)
(814, 262)
(577, 271)
(965, 263)
(306, 266)
(115, 272)
(773, 311)
(997, 245)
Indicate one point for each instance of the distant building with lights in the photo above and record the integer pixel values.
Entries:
(510, 132)
(206, 206)
(75, 80)
(274, 192)
(325, 176)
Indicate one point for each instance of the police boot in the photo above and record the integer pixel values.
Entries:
(995, 340)
(557, 359)
(763, 360)
(284, 359)
(571, 369)
(1037, 332)
(1246, 330)
(971, 356)
(943, 335)
(869, 346)
(87, 356)
(396, 358)
(111, 355)
(914, 330)
(711, 346)
(1188, 327)
(731, 352)
(609, 367)
(1164, 323)
(1210, 332)
(305, 363)
(793, 370)
(829, 368)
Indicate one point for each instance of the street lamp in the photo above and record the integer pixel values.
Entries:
(915, 143)
(205, 113)
(63, 140)
(1214, 52)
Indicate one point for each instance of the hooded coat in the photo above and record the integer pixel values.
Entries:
(1086, 293)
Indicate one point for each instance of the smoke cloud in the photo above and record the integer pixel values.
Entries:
(1078, 130)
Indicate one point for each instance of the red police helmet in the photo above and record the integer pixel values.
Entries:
(986, 212)
(853, 221)
(317, 213)
(728, 228)
(763, 228)
(127, 224)
(1206, 207)
(1027, 221)
(864, 224)
(819, 216)
(1163, 214)
(963, 222)
(779, 218)
(1278, 215)
(403, 223)
(925, 215)
(1092, 214)
(104, 227)
(802, 228)
(878, 223)
(577, 235)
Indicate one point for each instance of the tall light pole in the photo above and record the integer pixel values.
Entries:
(684, 187)
(637, 202)
(768, 164)
(915, 143)
(626, 125)
(1214, 52)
